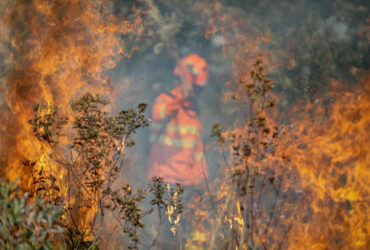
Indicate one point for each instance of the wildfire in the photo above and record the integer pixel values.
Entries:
(58, 51)
(331, 154)
(171, 209)
(308, 190)
(319, 170)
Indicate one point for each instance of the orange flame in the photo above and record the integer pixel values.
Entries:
(326, 153)
(58, 50)
(331, 155)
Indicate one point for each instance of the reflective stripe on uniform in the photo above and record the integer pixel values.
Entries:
(198, 156)
(176, 142)
(182, 129)
(162, 112)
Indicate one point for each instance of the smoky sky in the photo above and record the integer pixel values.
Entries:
(312, 42)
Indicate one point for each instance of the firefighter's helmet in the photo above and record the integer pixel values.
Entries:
(194, 68)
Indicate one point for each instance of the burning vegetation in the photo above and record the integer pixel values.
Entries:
(286, 121)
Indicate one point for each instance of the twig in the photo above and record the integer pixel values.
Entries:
(159, 227)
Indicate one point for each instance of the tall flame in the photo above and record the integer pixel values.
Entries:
(58, 50)
(332, 156)
(324, 165)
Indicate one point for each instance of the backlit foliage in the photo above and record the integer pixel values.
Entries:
(87, 165)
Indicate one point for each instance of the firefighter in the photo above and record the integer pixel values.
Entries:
(177, 150)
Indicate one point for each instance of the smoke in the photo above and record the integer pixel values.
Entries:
(304, 44)
(339, 29)
(299, 53)
(53, 51)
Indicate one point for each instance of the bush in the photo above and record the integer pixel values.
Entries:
(26, 224)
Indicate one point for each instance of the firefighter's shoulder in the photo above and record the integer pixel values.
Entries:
(164, 97)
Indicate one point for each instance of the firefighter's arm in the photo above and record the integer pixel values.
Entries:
(166, 107)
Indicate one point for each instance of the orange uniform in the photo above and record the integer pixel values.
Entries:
(177, 148)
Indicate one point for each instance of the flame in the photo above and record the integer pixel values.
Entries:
(171, 209)
(54, 51)
(57, 51)
(243, 44)
(331, 155)
(323, 160)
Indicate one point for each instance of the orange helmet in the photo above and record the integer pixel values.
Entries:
(194, 68)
